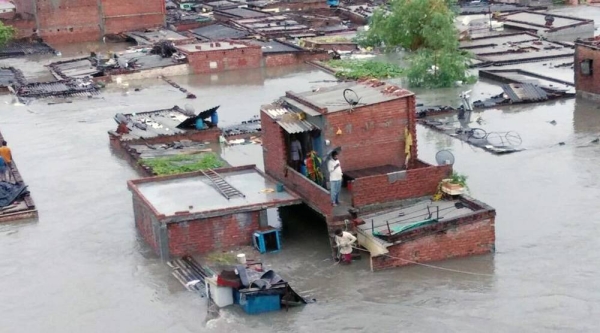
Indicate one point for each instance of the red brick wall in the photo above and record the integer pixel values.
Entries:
(475, 237)
(240, 58)
(130, 15)
(24, 6)
(211, 134)
(143, 221)
(67, 21)
(286, 59)
(202, 236)
(418, 182)
(25, 28)
(372, 135)
(587, 83)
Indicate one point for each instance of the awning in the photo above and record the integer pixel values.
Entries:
(290, 121)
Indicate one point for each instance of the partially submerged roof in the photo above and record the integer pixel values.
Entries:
(10, 76)
(290, 121)
(194, 194)
(515, 48)
(152, 37)
(275, 26)
(537, 21)
(218, 32)
(547, 82)
(156, 123)
(76, 68)
(331, 99)
(23, 48)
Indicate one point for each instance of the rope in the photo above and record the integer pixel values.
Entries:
(433, 266)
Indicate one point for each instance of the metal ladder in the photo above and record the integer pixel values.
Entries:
(224, 187)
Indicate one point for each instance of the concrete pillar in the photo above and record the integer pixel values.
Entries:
(263, 220)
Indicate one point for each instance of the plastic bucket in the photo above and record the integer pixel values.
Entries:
(279, 187)
(241, 258)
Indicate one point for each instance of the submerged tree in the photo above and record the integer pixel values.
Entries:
(425, 28)
(7, 33)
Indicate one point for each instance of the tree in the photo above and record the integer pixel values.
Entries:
(426, 29)
(7, 33)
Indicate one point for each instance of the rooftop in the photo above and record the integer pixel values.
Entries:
(157, 123)
(331, 99)
(511, 48)
(590, 42)
(197, 194)
(536, 20)
(210, 46)
(274, 46)
(11, 76)
(218, 32)
(290, 121)
(23, 48)
(76, 68)
(240, 13)
(152, 37)
(279, 25)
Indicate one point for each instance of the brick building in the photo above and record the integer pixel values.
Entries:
(373, 126)
(69, 21)
(587, 68)
(187, 214)
(209, 57)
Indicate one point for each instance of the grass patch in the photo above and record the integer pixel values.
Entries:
(223, 258)
(182, 163)
(358, 69)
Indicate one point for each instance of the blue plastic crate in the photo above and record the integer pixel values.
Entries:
(256, 303)
(267, 240)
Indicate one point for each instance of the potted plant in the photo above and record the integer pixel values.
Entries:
(457, 183)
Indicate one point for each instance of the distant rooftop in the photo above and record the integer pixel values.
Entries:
(593, 43)
(217, 32)
(151, 37)
(275, 46)
(211, 46)
(272, 25)
(237, 13)
(536, 20)
(331, 99)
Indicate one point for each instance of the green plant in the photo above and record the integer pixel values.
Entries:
(358, 69)
(459, 179)
(182, 163)
(7, 33)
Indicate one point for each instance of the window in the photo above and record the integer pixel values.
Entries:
(586, 67)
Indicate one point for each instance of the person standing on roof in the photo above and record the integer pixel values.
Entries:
(6, 155)
(335, 178)
(3, 168)
(296, 152)
(344, 241)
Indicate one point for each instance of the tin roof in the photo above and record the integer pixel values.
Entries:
(290, 121)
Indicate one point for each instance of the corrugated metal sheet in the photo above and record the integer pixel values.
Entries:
(524, 92)
(290, 121)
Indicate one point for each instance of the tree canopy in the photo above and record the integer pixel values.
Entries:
(7, 33)
(426, 29)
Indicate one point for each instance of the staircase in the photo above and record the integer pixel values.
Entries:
(222, 186)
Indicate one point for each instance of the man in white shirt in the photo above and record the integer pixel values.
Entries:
(344, 241)
(335, 178)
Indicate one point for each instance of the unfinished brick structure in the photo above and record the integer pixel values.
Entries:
(69, 21)
(373, 126)
(587, 68)
(210, 57)
(185, 214)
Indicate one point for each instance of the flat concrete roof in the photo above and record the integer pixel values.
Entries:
(144, 37)
(275, 46)
(157, 123)
(413, 213)
(243, 12)
(206, 46)
(538, 20)
(177, 195)
(218, 31)
(332, 98)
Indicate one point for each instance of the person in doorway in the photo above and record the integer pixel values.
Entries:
(296, 151)
(344, 241)
(6, 154)
(335, 178)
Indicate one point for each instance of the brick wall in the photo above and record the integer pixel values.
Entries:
(372, 135)
(587, 83)
(286, 59)
(130, 15)
(144, 218)
(211, 134)
(458, 238)
(416, 183)
(238, 58)
(25, 27)
(202, 236)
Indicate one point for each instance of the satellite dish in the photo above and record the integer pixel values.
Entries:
(351, 97)
(444, 157)
(190, 109)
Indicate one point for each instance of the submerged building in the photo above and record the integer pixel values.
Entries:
(587, 67)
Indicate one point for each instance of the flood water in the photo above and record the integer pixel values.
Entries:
(83, 268)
